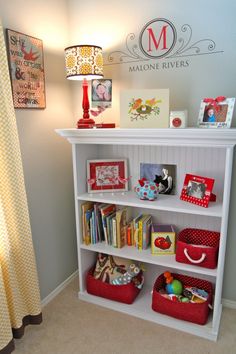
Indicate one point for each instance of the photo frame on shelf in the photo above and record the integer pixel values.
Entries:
(197, 190)
(101, 93)
(162, 174)
(107, 175)
(144, 108)
(25, 56)
(216, 113)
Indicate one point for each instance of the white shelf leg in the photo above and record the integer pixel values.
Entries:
(224, 226)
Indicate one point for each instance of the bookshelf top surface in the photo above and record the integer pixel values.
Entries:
(181, 137)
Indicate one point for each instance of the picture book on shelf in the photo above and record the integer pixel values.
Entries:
(121, 226)
(147, 223)
(87, 209)
(105, 211)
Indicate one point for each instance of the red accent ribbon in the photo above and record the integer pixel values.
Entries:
(214, 102)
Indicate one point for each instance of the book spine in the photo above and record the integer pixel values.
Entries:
(129, 236)
(140, 235)
(146, 233)
(136, 234)
(114, 238)
(87, 237)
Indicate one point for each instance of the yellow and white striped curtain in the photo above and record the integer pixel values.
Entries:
(19, 290)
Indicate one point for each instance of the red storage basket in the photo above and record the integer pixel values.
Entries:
(198, 247)
(121, 293)
(191, 312)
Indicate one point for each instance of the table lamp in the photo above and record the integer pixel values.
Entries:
(84, 62)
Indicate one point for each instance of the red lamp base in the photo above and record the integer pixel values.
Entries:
(85, 123)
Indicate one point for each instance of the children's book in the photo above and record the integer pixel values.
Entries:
(85, 229)
(135, 228)
(140, 231)
(88, 218)
(129, 234)
(147, 223)
(109, 227)
(105, 211)
(121, 226)
(98, 208)
(114, 238)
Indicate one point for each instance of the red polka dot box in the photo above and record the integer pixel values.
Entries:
(191, 312)
(198, 247)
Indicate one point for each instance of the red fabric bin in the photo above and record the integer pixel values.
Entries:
(121, 293)
(198, 247)
(191, 312)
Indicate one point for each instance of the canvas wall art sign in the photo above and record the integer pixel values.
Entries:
(25, 54)
(144, 108)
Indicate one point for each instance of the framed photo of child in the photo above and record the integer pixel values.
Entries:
(101, 93)
(216, 113)
(197, 190)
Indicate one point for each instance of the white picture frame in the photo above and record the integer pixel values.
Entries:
(212, 117)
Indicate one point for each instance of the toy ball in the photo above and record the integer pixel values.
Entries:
(175, 287)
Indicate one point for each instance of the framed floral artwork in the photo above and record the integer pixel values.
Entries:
(144, 108)
(25, 55)
(216, 112)
(107, 175)
(197, 190)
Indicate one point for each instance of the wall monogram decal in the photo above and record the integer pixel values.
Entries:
(159, 39)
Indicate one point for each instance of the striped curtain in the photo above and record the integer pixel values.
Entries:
(19, 290)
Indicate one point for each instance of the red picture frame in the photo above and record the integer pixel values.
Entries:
(107, 175)
(197, 190)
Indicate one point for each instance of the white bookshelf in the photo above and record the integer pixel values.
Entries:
(202, 152)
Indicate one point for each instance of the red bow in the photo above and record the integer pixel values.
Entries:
(214, 102)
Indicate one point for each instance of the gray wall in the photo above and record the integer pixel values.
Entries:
(205, 75)
(47, 157)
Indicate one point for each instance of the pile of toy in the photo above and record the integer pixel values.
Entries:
(115, 278)
(183, 297)
(178, 292)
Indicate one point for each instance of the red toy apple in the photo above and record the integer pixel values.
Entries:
(162, 243)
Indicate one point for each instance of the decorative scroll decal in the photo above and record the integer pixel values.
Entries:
(201, 47)
(131, 54)
(159, 39)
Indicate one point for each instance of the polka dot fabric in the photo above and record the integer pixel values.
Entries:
(191, 312)
(196, 242)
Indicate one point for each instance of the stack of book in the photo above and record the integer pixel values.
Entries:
(106, 223)
(141, 230)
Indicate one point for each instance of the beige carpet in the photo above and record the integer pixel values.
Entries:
(72, 326)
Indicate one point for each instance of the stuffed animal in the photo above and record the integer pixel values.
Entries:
(146, 189)
(126, 278)
(173, 286)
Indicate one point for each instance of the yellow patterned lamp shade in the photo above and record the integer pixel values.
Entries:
(84, 61)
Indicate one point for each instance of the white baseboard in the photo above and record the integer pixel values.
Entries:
(58, 289)
(229, 303)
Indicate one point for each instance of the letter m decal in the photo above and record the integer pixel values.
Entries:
(161, 39)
